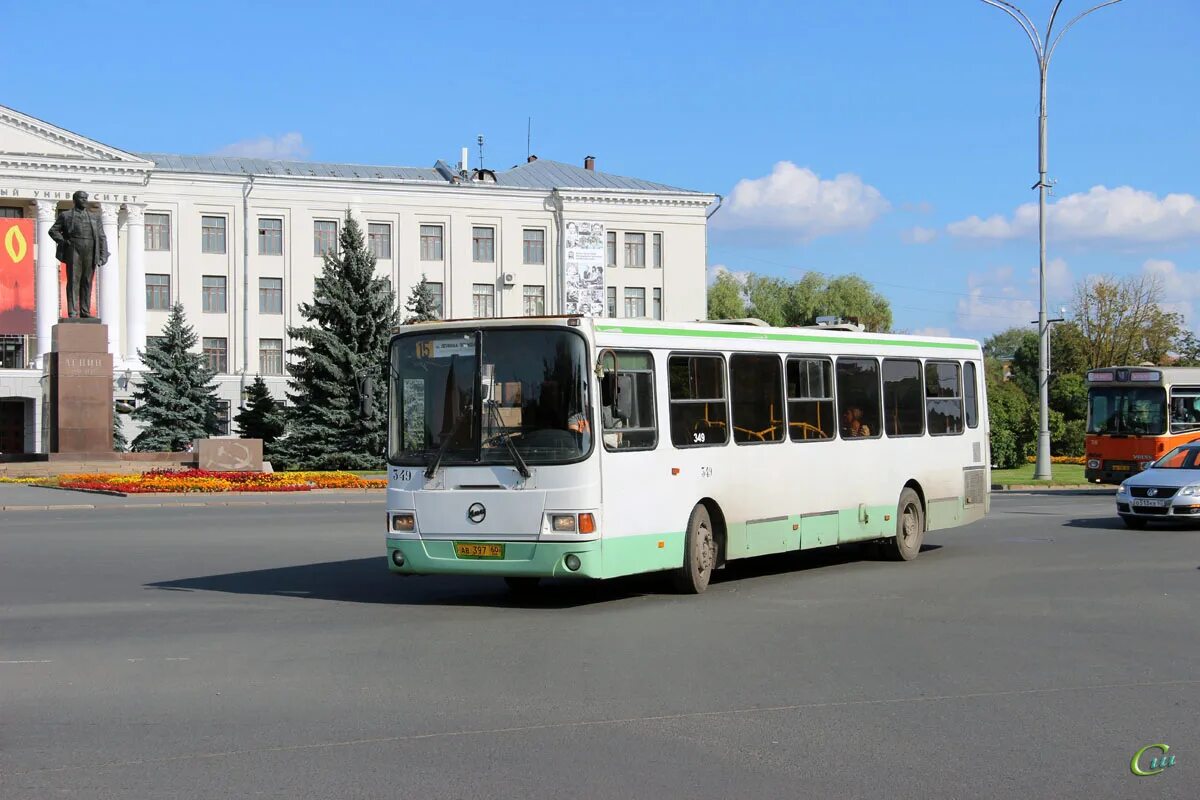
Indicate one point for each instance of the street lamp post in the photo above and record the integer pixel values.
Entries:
(1043, 49)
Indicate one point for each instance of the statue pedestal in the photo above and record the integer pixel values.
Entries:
(81, 387)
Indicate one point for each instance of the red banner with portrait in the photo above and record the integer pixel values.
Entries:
(17, 312)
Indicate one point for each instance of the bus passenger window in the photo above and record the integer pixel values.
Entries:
(858, 397)
(1185, 409)
(628, 421)
(757, 391)
(696, 389)
(943, 398)
(971, 393)
(903, 411)
(810, 399)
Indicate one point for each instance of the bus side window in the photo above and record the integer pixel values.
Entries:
(971, 392)
(810, 399)
(943, 398)
(757, 389)
(696, 390)
(628, 419)
(903, 409)
(858, 397)
(1184, 414)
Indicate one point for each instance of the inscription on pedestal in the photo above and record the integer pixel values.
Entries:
(81, 392)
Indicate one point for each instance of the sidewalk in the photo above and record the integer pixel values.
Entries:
(18, 497)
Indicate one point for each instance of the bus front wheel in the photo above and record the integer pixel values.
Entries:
(699, 554)
(910, 528)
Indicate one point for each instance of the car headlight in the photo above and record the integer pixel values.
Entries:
(1122, 489)
(1190, 491)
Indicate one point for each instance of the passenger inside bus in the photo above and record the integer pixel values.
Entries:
(852, 423)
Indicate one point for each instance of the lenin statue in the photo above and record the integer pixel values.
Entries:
(82, 247)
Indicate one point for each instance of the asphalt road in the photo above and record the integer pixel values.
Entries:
(266, 652)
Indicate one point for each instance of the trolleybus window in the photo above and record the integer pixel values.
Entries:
(903, 409)
(1127, 410)
(1185, 409)
(858, 397)
(756, 382)
(697, 400)
(943, 398)
(971, 391)
(810, 399)
(628, 416)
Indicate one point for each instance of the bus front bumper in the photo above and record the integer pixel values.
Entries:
(521, 559)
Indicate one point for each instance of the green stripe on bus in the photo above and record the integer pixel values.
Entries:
(777, 337)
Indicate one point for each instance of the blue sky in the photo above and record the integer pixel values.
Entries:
(926, 110)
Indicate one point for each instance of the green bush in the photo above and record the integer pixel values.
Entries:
(1011, 435)
(1071, 441)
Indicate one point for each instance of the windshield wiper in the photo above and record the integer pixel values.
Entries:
(432, 469)
(522, 467)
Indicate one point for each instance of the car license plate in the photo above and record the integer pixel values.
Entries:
(478, 550)
(1120, 468)
(1151, 502)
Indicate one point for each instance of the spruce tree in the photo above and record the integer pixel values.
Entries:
(420, 304)
(350, 318)
(262, 418)
(176, 397)
(120, 443)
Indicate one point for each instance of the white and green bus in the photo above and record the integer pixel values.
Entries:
(577, 448)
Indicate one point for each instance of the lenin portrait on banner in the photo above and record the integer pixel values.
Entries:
(82, 247)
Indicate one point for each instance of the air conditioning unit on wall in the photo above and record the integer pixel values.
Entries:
(509, 278)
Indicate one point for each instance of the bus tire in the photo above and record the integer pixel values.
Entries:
(1133, 523)
(522, 586)
(699, 554)
(910, 528)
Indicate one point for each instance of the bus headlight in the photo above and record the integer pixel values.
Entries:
(404, 522)
(1093, 463)
(562, 523)
(1147, 465)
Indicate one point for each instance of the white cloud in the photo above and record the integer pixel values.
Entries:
(931, 332)
(716, 269)
(285, 147)
(994, 302)
(918, 235)
(798, 203)
(1121, 215)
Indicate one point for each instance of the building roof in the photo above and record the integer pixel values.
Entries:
(537, 174)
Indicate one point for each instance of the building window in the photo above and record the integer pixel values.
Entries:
(158, 292)
(635, 303)
(483, 300)
(379, 239)
(12, 348)
(696, 389)
(658, 303)
(628, 414)
(223, 412)
(435, 290)
(534, 301)
(656, 255)
(270, 356)
(612, 301)
(533, 246)
(158, 231)
(483, 244)
(810, 399)
(216, 352)
(431, 242)
(903, 410)
(270, 236)
(8, 212)
(212, 235)
(324, 237)
(270, 295)
(943, 398)
(971, 391)
(858, 397)
(610, 249)
(212, 294)
(635, 249)
(757, 389)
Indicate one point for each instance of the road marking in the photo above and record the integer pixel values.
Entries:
(46, 661)
(620, 721)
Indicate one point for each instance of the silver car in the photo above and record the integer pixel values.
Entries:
(1167, 491)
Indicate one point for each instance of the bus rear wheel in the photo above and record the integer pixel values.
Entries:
(699, 554)
(910, 528)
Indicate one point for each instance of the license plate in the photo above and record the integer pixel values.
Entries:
(1146, 501)
(1120, 468)
(477, 550)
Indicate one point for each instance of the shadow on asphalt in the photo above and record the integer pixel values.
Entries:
(367, 580)
(1114, 524)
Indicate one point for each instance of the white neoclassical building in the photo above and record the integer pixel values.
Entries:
(239, 241)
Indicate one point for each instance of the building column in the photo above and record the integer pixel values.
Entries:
(110, 281)
(46, 282)
(135, 284)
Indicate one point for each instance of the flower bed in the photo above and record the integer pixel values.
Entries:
(198, 480)
(1059, 459)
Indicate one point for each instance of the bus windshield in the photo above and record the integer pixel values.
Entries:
(1127, 410)
(475, 396)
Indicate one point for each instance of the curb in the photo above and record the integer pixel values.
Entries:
(1086, 488)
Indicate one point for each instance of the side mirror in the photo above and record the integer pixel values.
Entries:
(366, 396)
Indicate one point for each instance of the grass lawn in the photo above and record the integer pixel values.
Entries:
(1064, 475)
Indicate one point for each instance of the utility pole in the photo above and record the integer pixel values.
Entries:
(1043, 49)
